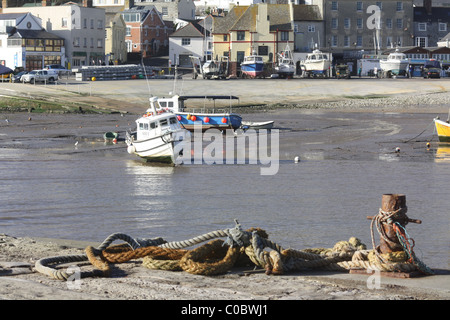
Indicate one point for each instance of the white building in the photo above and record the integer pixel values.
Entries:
(24, 43)
(82, 28)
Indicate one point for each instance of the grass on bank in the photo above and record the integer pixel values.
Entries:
(20, 104)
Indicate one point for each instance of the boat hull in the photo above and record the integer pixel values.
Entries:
(397, 68)
(252, 69)
(318, 66)
(221, 121)
(443, 130)
(257, 125)
(155, 149)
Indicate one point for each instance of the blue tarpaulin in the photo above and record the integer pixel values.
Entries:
(4, 70)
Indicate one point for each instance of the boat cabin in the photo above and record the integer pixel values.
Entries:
(149, 127)
(253, 59)
(317, 56)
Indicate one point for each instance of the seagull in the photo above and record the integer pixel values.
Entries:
(76, 143)
(7, 121)
(296, 159)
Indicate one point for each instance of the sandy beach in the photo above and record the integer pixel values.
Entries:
(19, 279)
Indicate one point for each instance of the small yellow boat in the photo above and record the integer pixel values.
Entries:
(443, 130)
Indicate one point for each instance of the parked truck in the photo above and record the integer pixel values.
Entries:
(39, 76)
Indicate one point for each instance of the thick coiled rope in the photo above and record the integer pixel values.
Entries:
(219, 256)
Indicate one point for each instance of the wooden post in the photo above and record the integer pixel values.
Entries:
(391, 203)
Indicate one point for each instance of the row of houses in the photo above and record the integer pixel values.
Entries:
(86, 32)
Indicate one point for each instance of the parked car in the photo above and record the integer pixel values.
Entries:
(17, 76)
(432, 73)
(39, 75)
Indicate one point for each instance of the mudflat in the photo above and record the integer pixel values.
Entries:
(266, 97)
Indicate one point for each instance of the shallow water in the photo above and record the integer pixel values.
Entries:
(88, 192)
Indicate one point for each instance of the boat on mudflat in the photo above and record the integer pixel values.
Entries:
(396, 63)
(252, 66)
(157, 133)
(197, 116)
(285, 67)
(257, 125)
(443, 130)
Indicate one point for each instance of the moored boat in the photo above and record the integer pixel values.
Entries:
(443, 130)
(110, 136)
(207, 120)
(157, 133)
(257, 125)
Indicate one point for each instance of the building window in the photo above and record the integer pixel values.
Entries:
(131, 17)
(399, 6)
(128, 32)
(388, 23)
(399, 23)
(334, 41)
(389, 42)
(334, 5)
(442, 26)
(186, 41)
(92, 23)
(311, 28)
(76, 42)
(359, 23)
(359, 6)
(334, 23)
(263, 50)
(347, 23)
(296, 28)
(241, 35)
(99, 24)
(85, 23)
(99, 43)
(422, 26)
(346, 41)
(422, 42)
(399, 41)
(64, 22)
(85, 42)
(284, 36)
(225, 37)
(165, 11)
(359, 41)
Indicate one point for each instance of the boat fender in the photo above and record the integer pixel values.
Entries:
(224, 120)
(179, 118)
(206, 119)
(193, 118)
(188, 117)
(131, 149)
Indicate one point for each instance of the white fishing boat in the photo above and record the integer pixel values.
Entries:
(316, 63)
(210, 68)
(285, 67)
(157, 133)
(396, 63)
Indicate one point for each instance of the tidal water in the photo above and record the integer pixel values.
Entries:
(88, 194)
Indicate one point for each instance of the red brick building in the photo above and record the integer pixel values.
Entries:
(147, 33)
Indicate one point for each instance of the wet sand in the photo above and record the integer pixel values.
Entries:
(131, 281)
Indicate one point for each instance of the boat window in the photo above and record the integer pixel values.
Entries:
(143, 126)
(325, 57)
(163, 122)
(173, 120)
(313, 57)
(258, 58)
(153, 125)
(163, 104)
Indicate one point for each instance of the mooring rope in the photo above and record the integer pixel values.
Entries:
(251, 246)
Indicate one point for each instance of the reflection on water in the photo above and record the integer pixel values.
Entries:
(313, 203)
(443, 153)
